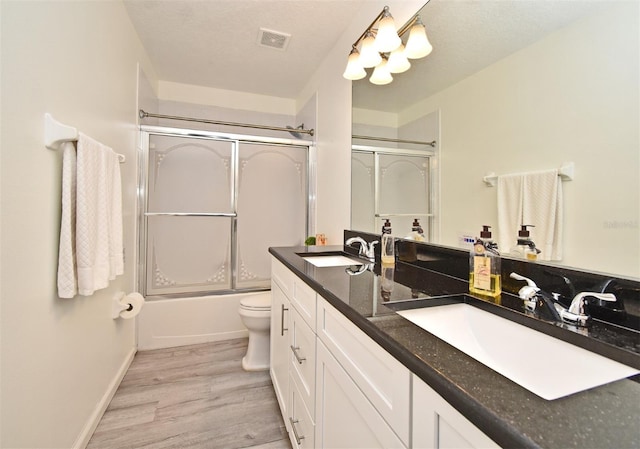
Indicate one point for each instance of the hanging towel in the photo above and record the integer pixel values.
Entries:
(98, 216)
(67, 280)
(509, 210)
(542, 207)
(531, 199)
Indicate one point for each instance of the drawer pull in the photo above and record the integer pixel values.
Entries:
(299, 438)
(282, 328)
(295, 350)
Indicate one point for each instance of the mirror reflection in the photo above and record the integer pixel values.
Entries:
(512, 90)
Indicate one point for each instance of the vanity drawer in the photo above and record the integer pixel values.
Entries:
(302, 297)
(302, 358)
(382, 378)
(304, 300)
(300, 423)
(281, 275)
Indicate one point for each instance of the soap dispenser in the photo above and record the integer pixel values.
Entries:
(525, 247)
(484, 266)
(387, 247)
(417, 233)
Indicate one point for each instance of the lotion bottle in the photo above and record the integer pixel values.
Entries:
(484, 266)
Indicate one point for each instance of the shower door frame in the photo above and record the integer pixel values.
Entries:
(146, 131)
(432, 232)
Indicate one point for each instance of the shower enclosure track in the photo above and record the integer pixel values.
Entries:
(142, 114)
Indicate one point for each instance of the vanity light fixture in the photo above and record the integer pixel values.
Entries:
(369, 54)
(354, 70)
(381, 47)
(418, 45)
(381, 74)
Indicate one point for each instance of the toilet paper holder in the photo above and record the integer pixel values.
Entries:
(121, 303)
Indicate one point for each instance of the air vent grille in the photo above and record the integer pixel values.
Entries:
(273, 39)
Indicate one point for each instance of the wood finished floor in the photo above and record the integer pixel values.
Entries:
(192, 397)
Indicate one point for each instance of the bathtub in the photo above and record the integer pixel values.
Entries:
(165, 323)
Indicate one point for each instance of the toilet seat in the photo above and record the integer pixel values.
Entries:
(258, 303)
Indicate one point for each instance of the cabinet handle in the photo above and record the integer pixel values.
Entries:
(282, 328)
(299, 438)
(295, 350)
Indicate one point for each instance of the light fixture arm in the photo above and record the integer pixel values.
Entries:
(370, 27)
(401, 31)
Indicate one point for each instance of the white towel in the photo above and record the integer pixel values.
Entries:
(67, 281)
(542, 207)
(509, 211)
(98, 216)
(531, 199)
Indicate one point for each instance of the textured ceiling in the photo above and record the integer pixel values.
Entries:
(214, 42)
(467, 36)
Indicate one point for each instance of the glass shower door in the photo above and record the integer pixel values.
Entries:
(190, 213)
(392, 184)
(213, 205)
(404, 194)
(272, 207)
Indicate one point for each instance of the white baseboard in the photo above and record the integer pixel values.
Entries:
(93, 421)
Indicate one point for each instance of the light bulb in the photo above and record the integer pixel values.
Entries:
(354, 70)
(369, 55)
(381, 74)
(398, 62)
(418, 45)
(387, 38)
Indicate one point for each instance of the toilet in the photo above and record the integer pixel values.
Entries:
(255, 313)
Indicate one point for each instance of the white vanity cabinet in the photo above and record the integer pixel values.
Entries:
(338, 388)
(345, 418)
(293, 353)
(437, 425)
(381, 378)
(279, 344)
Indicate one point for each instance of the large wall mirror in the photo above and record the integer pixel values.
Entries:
(515, 87)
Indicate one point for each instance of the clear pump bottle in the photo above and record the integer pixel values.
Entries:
(484, 266)
(525, 247)
(387, 247)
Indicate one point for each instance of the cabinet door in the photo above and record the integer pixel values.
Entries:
(279, 357)
(382, 378)
(437, 425)
(344, 416)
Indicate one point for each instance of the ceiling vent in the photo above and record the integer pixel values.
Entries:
(273, 39)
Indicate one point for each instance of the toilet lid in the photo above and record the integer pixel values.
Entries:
(256, 302)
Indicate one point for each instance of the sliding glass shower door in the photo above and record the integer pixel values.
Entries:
(393, 184)
(213, 206)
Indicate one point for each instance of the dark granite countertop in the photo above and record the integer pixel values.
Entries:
(603, 417)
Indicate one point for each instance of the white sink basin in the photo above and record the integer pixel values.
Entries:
(544, 365)
(333, 260)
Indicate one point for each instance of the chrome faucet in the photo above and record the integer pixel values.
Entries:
(575, 314)
(366, 249)
(534, 299)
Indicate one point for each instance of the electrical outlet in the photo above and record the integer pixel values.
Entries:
(466, 240)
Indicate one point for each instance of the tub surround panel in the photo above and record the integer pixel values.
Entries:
(504, 411)
(167, 323)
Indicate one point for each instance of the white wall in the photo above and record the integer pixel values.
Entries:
(333, 137)
(60, 357)
(577, 95)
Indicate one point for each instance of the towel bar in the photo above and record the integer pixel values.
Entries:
(56, 133)
(566, 172)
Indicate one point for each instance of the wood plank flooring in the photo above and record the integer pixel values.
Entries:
(192, 397)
